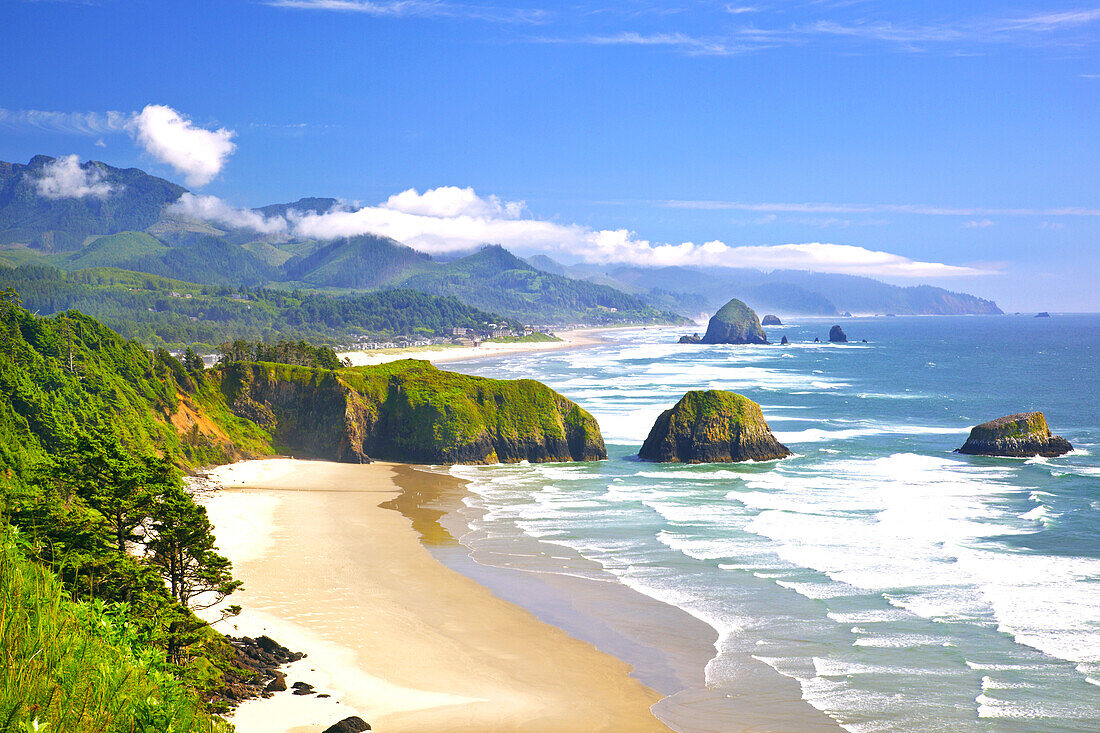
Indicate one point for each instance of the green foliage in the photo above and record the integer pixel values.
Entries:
(88, 667)
(160, 311)
(298, 353)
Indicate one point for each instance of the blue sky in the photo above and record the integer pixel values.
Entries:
(959, 134)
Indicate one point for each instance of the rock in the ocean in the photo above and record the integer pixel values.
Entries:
(770, 320)
(845, 314)
(1021, 436)
(712, 427)
(692, 339)
(837, 335)
(817, 340)
(735, 323)
(353, 724)
(784, 342)
(1044, 314)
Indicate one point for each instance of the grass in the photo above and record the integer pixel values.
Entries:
(70, 667)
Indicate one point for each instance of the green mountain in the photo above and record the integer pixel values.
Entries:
(134, 203)
(495, 279)
(118, 230)
(361, 263)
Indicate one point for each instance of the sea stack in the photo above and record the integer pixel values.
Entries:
(784, 342)
(735, 323)
(692, 339)
(837, 335)
(770, 320)
(712, 427)
(1019, 436)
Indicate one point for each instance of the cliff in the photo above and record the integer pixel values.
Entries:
(1022, 435)
(735, 323)
(410, 411)
(712, 427)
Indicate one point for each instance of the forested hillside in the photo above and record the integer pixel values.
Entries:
(175, 314)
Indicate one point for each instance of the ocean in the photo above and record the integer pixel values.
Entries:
(903, 587)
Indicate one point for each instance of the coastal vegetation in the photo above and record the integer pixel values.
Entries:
(714, 426)
(104, 549)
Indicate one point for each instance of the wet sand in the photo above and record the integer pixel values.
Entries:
(392, 634)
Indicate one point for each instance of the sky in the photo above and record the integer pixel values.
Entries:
(952, 143)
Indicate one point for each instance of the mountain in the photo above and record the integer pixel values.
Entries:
(362, 262)
(798, 292)
(125, 224)
(309, 205)
(495, 279)
(134, 202)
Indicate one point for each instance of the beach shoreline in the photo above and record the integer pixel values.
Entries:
(574, 339)
(334, 567)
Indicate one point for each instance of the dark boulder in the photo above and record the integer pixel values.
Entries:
(353, 724)
(817, 340)
(278, 684)
(735, 323)
(692, 339)
(712, 427)
(302, 688)
(1020, 436)
(1044, 314)
(784, 342)
(770, 320)
(837, 335)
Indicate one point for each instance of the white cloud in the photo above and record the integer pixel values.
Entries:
(65, 179)
(831, 208)
(451, 219)
(72, 123)
(213, 209)
(451, 201)
(197, 153)
(417, 8)
(978, 224)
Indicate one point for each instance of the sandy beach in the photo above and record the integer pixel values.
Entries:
(441, 354)
(392, 634)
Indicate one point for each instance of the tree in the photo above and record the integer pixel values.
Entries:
(181, 545)
(192, 361)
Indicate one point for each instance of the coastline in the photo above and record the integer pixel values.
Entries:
(578, 338)
(391, 633)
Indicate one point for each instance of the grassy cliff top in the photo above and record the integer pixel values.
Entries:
(710, 404)
(1013, 426)
(736, 311)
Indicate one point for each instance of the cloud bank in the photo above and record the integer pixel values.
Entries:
(198, 154)
(452, 219)
(65, 179)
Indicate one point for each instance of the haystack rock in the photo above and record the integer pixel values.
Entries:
(1020, 436)
(837, 335)
(770, 320)
(735, 323)
(712, 427)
